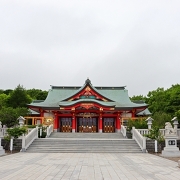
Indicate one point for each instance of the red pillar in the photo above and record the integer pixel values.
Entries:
(58, 126)
(100, 123)
(133, 113)
(75, 120)
(73, 123)
(55, 122)
(42, 116)
(118, 123)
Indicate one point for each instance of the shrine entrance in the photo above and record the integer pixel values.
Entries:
(87, 125)
(108, 125)
(66, 124)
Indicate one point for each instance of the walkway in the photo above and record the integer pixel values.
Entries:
(74, 166)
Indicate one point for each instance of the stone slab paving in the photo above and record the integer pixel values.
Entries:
(87, 166)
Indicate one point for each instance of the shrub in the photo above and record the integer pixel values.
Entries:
(31, 126)
(16, 131)
(137, 123)
(155, 134)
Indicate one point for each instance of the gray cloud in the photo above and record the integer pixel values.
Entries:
(112, 42)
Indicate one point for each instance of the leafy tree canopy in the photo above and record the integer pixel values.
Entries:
(161, 100)
(138, 98)
(160, 118)
(3, 100)
(9, 115)
(18, 98)
(8, 91)
(37, 94)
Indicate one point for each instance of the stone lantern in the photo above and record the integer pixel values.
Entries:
(149, 122)
(175, 123)
(21, 121)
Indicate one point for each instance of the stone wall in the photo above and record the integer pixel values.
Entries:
(17, 144)
(150, 146)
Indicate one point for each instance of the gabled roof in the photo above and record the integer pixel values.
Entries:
(146, 112)
(63, 96)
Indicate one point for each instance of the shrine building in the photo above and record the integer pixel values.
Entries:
(85, 109)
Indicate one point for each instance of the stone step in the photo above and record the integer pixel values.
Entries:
(82, 146)
(82, 151)
(86, 135)
(84, 142)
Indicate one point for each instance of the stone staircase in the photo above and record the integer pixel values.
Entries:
(84, 143)
(87, 135)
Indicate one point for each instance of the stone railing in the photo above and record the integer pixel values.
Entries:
(143, 131)
(123, 130)
(29, 138)
(3, 131)
(162, 131)
(141, 140)
(49, 130)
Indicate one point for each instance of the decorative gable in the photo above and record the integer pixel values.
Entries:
(88, 93)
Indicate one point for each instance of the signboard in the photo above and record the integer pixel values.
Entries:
(171, 142)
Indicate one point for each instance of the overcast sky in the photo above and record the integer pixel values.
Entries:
(135, 43)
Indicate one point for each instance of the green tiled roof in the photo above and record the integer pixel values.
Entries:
(146, 112)
(117, 96)
(103, 103)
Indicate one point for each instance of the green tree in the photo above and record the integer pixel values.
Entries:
(177, 114)
(16, 132)
(3, 100)
(157, 100)
(173, 99)
(9, 115)
(8, 91)
(138, 98)
(160, 118)
(139, 123)
(167, 101)
(1, 91)
(18, 98)
(154, 133)
(37, 94)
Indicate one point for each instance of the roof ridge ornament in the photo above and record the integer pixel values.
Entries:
(87, 81)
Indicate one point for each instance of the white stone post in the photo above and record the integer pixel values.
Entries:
(149, 122)
(40, 132)
(11, 145)
(175, 123)
(2, 151)
(47, 131)
(23, 143)
(133, 128)
(37, 131)
(144, 145)
(155, 145)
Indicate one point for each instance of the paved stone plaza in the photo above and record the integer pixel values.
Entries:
(100, 166)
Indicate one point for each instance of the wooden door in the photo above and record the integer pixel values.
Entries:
(66, 125)
(108, 125)
(87, 125)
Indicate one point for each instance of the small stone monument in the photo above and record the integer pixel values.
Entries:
(171, 149)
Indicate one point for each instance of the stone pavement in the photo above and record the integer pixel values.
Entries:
(74, 166)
